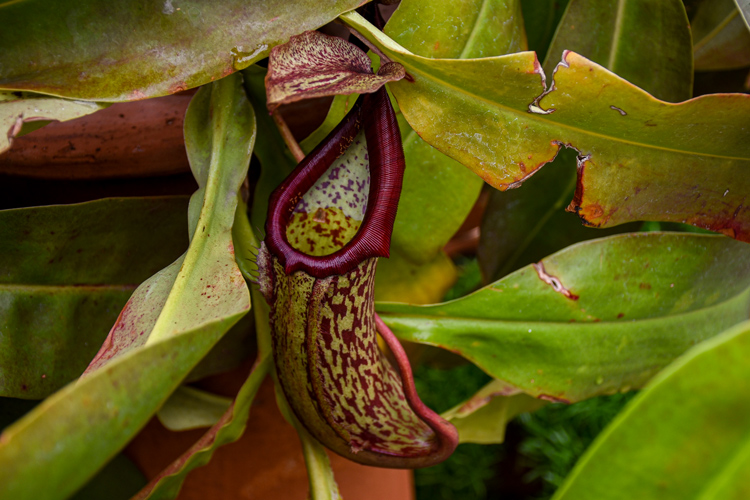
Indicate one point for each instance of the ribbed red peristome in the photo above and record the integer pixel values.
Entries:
(374, 113)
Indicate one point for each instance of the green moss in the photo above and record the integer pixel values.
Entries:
(469, 278)
(465, 474)
(558, 434)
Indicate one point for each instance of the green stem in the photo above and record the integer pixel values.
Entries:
(319, 473)
(322, 483)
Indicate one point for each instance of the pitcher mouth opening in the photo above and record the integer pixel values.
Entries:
(373, 115)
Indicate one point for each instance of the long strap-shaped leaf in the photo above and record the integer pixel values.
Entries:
(685, 436)
(151, 48)
(74, 432)
(546, 330)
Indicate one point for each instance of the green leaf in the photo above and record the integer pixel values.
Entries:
(55, 306)
(228, 429)
(438, 192)
(744, 7)
(483, 417)
(17, 111)
(398, 279)
(458, 30)
(686, 435)
(122, 51)
(522, 226)
(541, 18)
(128, 238)
(118, 480)
(76, 430)
(634, 148)
(647, 42)
(191, 408)
(270, 149)
(664, 293)
(721, 37)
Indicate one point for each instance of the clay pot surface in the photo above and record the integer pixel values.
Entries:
(133, 139)
(265, 463)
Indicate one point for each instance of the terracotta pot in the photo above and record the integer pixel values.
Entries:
(125, 140)
(133, 139)
(266, 463)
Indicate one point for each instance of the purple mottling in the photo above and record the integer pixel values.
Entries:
(302, 207)
(333, 174)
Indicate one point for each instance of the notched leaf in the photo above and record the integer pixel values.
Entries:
(644, 190)
(661, 161)
(313, 64)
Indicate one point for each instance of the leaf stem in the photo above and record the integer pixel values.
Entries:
(383, 58)
(322, 483)
(288, 137)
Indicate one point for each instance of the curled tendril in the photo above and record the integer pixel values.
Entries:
(328, 223)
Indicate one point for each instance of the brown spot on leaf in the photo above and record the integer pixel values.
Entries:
(554, 399)
(553, 282)
(137, 95)
(593, 211)
(177, 87)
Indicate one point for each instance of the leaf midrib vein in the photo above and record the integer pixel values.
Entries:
(735, 460)
(616, 34)
(711, 35)
(474, 30)
(462, 319)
